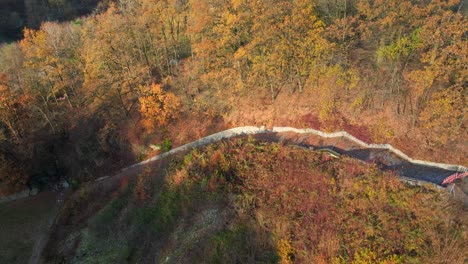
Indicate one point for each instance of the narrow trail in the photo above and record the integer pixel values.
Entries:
(42, 241)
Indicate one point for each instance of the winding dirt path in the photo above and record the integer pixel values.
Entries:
(42, 241)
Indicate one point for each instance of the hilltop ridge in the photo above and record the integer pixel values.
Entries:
(242, 200)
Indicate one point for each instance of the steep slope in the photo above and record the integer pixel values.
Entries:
(244, 201)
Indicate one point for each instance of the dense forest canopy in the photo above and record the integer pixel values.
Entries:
(75, 95)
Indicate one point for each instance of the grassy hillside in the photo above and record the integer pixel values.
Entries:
(245, 201)
(22, 224)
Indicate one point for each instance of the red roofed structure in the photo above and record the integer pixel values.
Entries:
(450, 179)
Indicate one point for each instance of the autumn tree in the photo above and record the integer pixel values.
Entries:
(112, 69)
(157, 106)
(384, 41)
(217, 30)
(274, 43)
(438, 90)
(53, 71)
(53, 51)
(444, 117)
(11, 65)
(13, 110)
(335, 9)
(13, 113)
(133, 43)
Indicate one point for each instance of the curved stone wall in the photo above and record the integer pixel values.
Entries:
(410, 170)
(341, 142)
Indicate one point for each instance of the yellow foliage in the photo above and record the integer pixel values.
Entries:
(284, 250)
(444, 115)
(366, 256)
(381, 132)
(157, 107)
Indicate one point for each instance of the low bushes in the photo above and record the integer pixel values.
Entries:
(250, 201)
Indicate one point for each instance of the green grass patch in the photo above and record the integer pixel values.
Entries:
(240, 244)
(22, 223)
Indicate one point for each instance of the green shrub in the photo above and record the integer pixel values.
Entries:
(167, 144)
(102, 223)
(240, 244)
(75, 184)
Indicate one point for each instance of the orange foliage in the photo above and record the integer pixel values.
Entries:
(157, 106)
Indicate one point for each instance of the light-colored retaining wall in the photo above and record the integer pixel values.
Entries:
(238, 131)
(233, 132)
(249, 130)
(452, 167)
